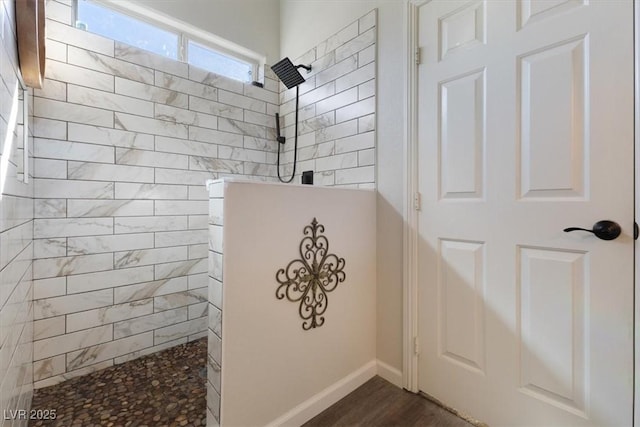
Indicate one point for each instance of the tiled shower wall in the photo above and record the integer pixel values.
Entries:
(337, 108)
(124, 143)
(16, 238)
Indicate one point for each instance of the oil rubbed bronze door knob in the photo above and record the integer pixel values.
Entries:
(605, 230)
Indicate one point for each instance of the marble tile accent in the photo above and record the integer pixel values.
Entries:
(80, 283)
(148, 59)
(108, 101)
(51, 109)
(150, 289)
(150, 322)
(72, 36)
(108, 136)
(69, 342)
(108, 350)
(110, 243)
(151, 93)
(108, 208)
(80, 76)
(180, 299)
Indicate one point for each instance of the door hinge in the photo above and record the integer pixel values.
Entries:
(418, 56)
(416, 346)
(417, 201)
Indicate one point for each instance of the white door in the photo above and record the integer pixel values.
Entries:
(525, 129)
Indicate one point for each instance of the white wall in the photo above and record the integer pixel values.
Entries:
(304, 24)
(254, 24)
(270, 364)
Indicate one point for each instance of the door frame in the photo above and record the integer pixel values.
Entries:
(411, 199)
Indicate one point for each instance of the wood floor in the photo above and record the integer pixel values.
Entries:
(380, 403)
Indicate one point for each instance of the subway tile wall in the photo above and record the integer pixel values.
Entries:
(124, 142)
(337, 109)
(16, 236)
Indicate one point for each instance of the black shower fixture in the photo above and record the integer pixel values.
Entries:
(290, 77)
(288, 73)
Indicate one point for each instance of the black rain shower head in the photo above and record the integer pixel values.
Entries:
(288, 73)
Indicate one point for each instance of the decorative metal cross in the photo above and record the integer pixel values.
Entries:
(311, 277)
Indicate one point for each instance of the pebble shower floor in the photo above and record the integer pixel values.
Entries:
(164, 389)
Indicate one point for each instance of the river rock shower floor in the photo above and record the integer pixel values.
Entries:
(164, 389)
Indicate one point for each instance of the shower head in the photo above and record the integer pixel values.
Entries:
(288, 73)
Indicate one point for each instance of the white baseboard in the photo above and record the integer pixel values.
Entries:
(389, 373)
(327, 397)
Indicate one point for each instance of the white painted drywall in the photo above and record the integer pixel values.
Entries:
(305, 23)
(254, 24)
(269, 363)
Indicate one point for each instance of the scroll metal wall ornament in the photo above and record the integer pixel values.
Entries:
(309, 279)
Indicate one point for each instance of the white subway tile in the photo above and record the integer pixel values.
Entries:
(106, 280)
(341, 68)
(64, 266)
(367, 123)
(150, 60)
(339, 100)
(153, 126)
(108, 65)
(359, 109)
(367, 157)
(368, 21)
(108, 350)
(355, 45)
(49, 367)
(69, 342)
(175, 238)
(150, 224)
(58, 306)
(45, 128)
(199, 222)
(359, 76)
(65, 150)
(187, 117)
(47, 288)
(338, 39)
(61, 189)
(150, 158)
(198, 251)
(107, 136)
(150, 191)
(110, 243)
(216, 80)
(45, 168)
(98, 208)
(80, 76)
(69, 35)
(47, 328)
(50, 248)
(356, 175)
(183, 146)
(241, 154)
(341, 161)
(356, 142)
(180, 299)
(366, 90)
(102, 172)
(366, 56)
(175, 176)
(215, 292)
(51, 109)
(181, 207)
(170, 333)
(215, 137)
(151, 93)
(65, 227)
(210, 164)
(261, 94)
(111, 314)
(50, 208)
(52, 89)
(150, 322)
(241, 101)
(215, 108)
(108, 101)
(150, 256)
(150, 289)
(56, 51)
(180, 268)
(181, 85)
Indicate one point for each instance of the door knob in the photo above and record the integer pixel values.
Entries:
(605, 230)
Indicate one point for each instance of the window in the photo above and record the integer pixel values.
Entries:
(173, 39)
(208, 59)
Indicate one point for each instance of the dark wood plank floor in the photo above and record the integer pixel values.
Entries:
(380, 403)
